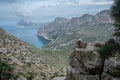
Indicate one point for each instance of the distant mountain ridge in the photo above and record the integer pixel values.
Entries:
(88, 27)
(27, 24)
(60, 20)
(101, 17)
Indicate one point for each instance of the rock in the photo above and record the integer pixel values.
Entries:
(88, 27)
(106, 76)
(80, 44)
(112, 68)
(59, 78)
(86, 64)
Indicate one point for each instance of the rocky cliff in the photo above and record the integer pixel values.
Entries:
(64, 32)
(28, 61)
(87, 64)
(87, 27)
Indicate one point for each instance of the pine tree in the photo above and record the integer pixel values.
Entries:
(113, 45)
(115, 13)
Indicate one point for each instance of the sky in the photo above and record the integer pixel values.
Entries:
(47, 10)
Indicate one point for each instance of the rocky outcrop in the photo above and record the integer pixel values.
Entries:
(103, 16)
(65, 31)
(87, 64)
(60, 20)
(64, 24)
(112, 68)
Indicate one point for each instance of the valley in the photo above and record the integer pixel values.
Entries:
(52, 60)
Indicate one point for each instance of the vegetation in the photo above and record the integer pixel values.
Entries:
(115, 12)
(6, 71)
(109, 48)
(112, 46)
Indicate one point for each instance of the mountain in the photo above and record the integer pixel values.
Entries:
(49, 61)
(29, 62)
(27, 24)
(64, 32)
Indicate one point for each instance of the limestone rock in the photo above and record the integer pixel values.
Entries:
(86, 63)
(106, 76)
(112, 68)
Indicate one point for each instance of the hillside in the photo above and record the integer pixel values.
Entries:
(64, 32)
(51, 60)
(28, 61)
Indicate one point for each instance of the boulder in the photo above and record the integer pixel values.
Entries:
(85, 63)
(112, 68)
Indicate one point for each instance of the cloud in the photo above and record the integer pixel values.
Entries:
(101, 0)
(7, 1)
(101, 3)
(57, 8)
(63, 3)
(91, 2)
(47, 9)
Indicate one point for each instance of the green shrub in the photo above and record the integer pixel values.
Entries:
(6, 71)
(109, 48)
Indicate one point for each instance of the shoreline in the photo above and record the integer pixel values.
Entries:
(44, 36)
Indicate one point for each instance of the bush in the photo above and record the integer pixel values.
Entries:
(6, 71)
(109, 48)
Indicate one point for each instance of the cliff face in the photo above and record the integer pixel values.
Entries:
(87, 64)
(87, 27)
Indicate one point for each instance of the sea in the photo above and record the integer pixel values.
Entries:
(26, 34)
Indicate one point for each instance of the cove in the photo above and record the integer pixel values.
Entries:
(27, 35)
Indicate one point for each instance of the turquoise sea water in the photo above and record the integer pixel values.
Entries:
(26, 34)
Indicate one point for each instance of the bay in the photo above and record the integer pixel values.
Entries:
(26, 34)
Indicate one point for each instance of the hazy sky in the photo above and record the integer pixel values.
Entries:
(45, 10)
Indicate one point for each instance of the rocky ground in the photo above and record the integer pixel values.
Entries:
(59, 78)
(86, 64)
(27, 60)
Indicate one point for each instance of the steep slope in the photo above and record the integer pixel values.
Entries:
(29, 62)
(64, 32)
(87, 27)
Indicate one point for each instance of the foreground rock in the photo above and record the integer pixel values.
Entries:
(87, 64)
(112, 68)
(59, 78)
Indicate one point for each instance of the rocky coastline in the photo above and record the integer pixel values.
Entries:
(44, 36)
